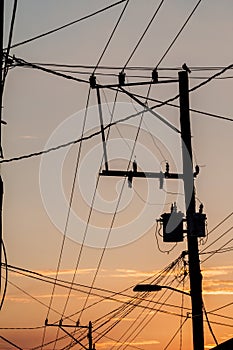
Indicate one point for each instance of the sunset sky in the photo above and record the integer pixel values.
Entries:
(121, 244)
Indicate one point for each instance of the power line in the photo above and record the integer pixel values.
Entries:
(10, 342)
(66, 25)
(71, 200)
(178, 330)
(190, 109)
(209, 325)
(111, 36)
(9, 41)
(143, 34)
(178, 34)
(39, 153)
(22, 62)
(217, 239)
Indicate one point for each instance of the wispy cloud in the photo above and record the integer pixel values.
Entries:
(28, 137)
(135, 343)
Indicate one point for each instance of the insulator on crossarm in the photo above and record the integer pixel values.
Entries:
(197, 170)
(130, 179)
(92, 81)
(161, 180)
(201, 208)
(155, 76)
(167, 169)
(121, 78)
(135, 166)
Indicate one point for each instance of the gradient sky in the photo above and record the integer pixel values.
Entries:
(38, 105)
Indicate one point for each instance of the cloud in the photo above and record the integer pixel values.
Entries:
(135, 343)
(215, 286)
(28, 137)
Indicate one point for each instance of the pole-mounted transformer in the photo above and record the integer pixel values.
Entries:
(173, 225)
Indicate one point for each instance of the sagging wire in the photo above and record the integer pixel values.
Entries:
(6, 276)
(157, 233)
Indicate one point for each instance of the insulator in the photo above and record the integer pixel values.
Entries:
(155, 76)
(135, 166)
(121, 78)
(197, 170)
(201, 208)
(161, 180)
(167, 169)
(130, 179)
(92, 81)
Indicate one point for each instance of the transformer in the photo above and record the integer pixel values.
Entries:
(172, 227)
(197, 225)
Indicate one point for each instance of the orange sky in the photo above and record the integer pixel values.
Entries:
(42, 110)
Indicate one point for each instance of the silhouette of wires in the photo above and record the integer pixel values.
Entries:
(111, 36)
(178, 34)
(65, 25)
(143, 34)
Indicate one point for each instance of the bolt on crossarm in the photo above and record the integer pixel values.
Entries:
(193, 253)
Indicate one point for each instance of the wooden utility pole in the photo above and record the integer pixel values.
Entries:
(193, 253)
(195, 221)
(1, 96)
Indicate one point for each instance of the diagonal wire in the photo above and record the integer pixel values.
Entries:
(178, 330)
(9, 41)
(142, 36)
(111, 36)
(71, 200)
(178, 34)
(209, 324)
(66, 25)
(90, 212)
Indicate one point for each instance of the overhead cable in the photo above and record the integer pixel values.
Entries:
(143, 34)
(178, 34)
(66, 25)
(111, 36)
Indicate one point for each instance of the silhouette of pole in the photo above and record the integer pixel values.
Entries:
(90, 336)
(193, 253)
(1, 96)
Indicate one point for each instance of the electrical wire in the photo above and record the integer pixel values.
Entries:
(10, 342)
(89, 218)
(148, 318)
(35, 299)
(169, 270)
(220, 223)
(217, 239)
(190, 109)
(65, 25)
(143, 34)
(22, 62)
(71, 201)
(209, 324)
(6, 276)
(39, 153)
(215, 252)
(111, 36)
(66, 284)
(9, 42)
(178, 330)
(178, 34)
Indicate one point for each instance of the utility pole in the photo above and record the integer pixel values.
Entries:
(77, 325)
(195, 221)
(1, 97)
(192, 236)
